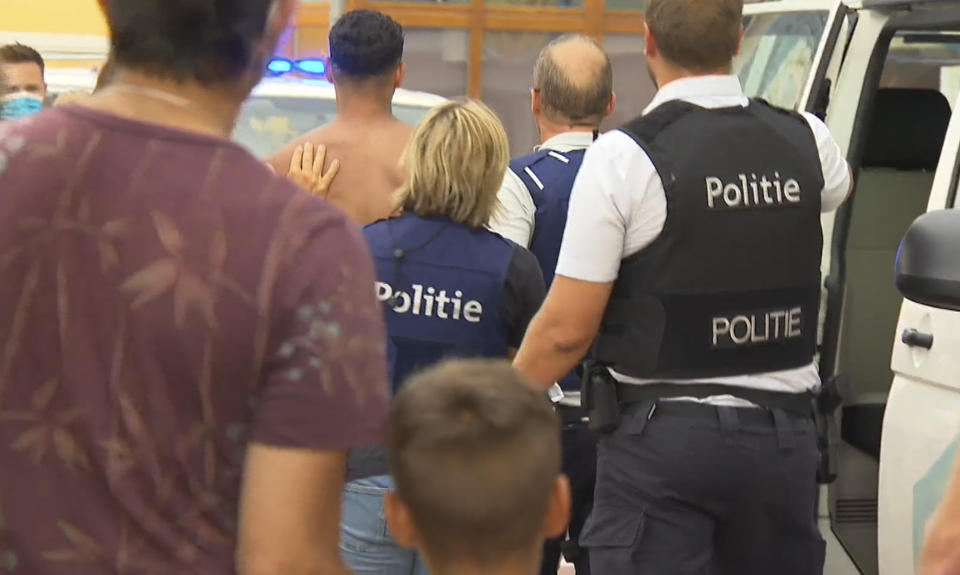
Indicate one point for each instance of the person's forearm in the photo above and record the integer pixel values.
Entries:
(547, 355)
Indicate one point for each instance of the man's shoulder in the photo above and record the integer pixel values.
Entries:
(52, 127)
(280, 160)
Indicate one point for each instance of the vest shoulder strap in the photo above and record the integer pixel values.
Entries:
(762, 106)
(644, 130)
(538, 170)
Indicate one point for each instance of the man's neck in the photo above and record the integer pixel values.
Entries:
(669, 75)
(355, 108)
(187, 107)
(550, 130)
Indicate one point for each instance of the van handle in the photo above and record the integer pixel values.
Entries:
(914, 338)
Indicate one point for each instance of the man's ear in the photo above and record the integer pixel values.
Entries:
(401, 73)
(328, 68)
(739, 42)
(558, 509)
(612, 106)
(651, 50)
(535, 106)
(400, 521)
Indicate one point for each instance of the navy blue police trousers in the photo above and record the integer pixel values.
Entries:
(685, 488)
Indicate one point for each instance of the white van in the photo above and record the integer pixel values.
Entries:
(279, 110)
(885, 74)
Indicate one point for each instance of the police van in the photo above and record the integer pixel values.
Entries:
(885, 75)
(290, 102)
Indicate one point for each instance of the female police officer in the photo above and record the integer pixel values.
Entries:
(449, 288)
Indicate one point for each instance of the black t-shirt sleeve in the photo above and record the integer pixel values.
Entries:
(523, 294)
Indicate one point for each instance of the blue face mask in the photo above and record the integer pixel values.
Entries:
(20, 105)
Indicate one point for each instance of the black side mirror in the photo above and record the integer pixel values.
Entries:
(928, 262)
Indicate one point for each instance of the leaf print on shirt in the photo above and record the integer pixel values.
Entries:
(331, 351)
(48, 429)
(82, 547)
(190, 290)
(46, 234)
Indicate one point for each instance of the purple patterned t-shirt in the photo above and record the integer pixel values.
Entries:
(164, 300)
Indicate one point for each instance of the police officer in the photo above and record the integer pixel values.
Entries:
(692, 253)
(449, 286)
(572, 94)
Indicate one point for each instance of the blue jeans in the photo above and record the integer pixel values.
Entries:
(365, 542)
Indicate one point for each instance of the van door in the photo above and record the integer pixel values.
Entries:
(891, 113)
(921, 428)
(792, 56)
(788, 50)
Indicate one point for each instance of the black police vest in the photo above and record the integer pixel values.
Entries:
(732, 284)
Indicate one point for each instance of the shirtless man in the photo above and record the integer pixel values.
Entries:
(366, 48)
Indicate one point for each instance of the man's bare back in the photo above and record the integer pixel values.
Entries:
(369, 154)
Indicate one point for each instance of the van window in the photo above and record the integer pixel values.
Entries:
(777, 55)
(925, 60)
(266, 124)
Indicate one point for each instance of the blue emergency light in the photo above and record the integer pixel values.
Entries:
(315, 67)
(311, 66)
(280, 66)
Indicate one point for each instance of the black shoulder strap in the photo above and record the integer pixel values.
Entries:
(757, 104)
(644, 129)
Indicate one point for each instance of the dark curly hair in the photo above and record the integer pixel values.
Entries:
(365, 44)
(205, 41)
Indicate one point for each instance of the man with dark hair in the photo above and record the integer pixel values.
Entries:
(572, 94)
(190, 343)
(475, 456)
(691, 262)
(366, 68)
(25, 89)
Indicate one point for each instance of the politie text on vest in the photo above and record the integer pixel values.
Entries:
(757, 327)
(752, 191)
(430, 302)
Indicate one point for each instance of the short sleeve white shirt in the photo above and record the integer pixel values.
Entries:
(618, 206)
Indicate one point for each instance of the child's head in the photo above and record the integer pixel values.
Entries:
(475, 455)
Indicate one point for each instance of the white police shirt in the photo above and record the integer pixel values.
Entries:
(516, 216)
(618, 207)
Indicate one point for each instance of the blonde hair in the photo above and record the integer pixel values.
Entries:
(454, 164)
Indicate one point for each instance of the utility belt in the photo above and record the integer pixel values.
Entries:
(604, 398)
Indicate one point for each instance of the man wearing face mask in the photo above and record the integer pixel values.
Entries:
(25, 89)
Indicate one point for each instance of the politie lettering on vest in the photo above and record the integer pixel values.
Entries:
(757, 328)
(430, 302)
(752, 191)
